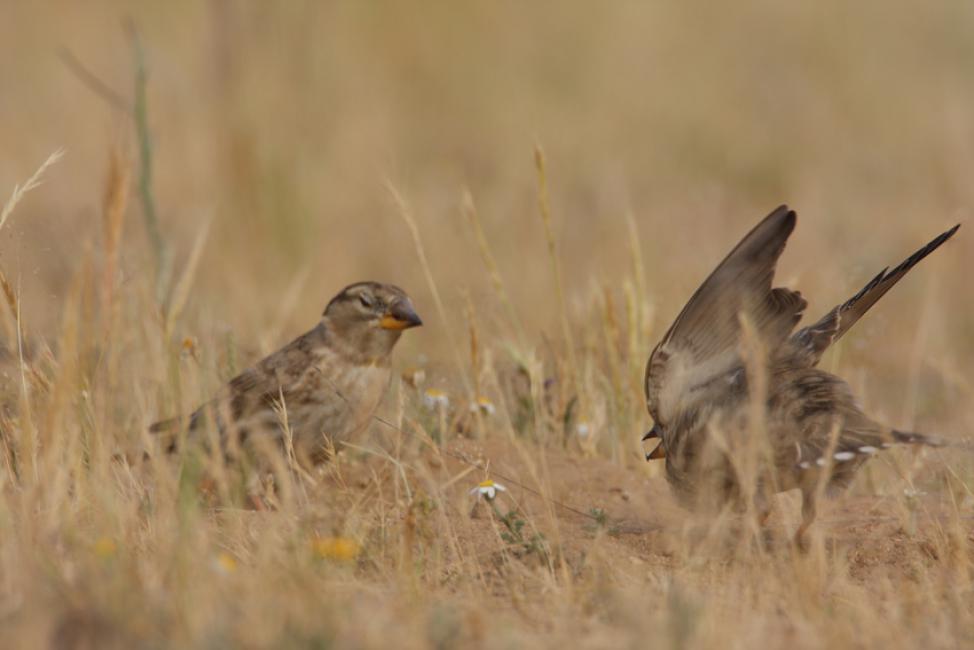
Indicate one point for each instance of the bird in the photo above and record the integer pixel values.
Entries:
(732, 375)
(316, 392)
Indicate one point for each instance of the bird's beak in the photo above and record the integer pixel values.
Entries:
(400, 316)
(652, 433)
(657, 453)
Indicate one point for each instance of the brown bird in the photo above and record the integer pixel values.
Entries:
(322, 387)
(733, 348)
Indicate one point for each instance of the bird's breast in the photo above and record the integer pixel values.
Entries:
(363, 387)
(337, 399)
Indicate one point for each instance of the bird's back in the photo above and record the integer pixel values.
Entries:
(808, 416)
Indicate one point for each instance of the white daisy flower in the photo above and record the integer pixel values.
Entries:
(582, 429)
(434, 398)
(483, 405)
(488, 489)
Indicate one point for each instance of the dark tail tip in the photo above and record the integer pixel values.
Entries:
(913, 438)
(169, 425)
(167, 430)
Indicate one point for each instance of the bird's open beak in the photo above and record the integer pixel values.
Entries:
(652, 433)
(400, 316)
(657, 453)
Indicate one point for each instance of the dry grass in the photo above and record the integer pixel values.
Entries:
(277, 132)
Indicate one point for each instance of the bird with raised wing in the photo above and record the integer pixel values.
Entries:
(733, 347)
(316, 392)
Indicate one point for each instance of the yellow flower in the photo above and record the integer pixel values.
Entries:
(336, 548)
(104, 547)
(484, 405)
(488, 489)
(434, 398)
(189, 348)
(224, 563)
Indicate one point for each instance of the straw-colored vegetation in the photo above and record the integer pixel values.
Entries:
(549, 181)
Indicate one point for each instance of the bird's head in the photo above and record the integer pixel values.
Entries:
(370, 316)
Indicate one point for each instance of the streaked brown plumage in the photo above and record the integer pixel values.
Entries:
(326, 383)
(700, 384)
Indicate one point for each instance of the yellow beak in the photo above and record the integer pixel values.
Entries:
(400, 316)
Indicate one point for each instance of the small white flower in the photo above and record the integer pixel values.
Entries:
(433, 398)
(483, 405)
(488, 489)
(582, 429)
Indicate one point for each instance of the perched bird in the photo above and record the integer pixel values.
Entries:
(732, 349)
(321, 388)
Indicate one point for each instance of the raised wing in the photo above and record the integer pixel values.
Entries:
(701, 347)
(811, 342)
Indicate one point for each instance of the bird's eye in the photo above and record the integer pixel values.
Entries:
(366, 300)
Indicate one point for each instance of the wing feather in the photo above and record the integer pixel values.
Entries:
(702, 343)
(811, 342)
(256, 389)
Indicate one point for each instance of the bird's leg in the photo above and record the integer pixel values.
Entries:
(808, 516)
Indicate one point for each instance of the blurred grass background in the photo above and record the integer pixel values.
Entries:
(287, 123)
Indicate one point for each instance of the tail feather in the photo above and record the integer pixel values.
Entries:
(168, 430)
(816, 338)
(170, 425)
(913, 438)
(846, 453)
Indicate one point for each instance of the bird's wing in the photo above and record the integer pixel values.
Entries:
(809, 343)
(276, 376)
(701, 346)
(260, 387)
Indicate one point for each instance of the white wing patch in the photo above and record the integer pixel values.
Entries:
(839, 456)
